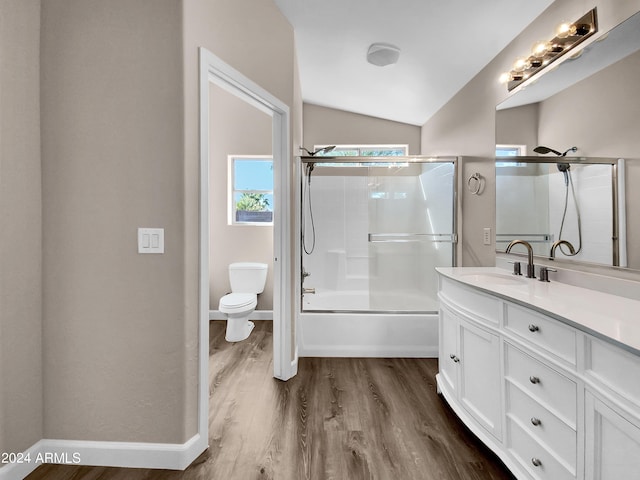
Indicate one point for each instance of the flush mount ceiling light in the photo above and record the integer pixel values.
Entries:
(543, 53)
(383, 54)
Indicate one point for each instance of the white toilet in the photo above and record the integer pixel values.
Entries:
(247, 281)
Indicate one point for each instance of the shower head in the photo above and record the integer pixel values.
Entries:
(544, 150)
(319, 150)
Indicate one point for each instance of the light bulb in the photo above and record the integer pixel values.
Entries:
(540, 49)
(564, 30)
(504, 77)
(521, 64)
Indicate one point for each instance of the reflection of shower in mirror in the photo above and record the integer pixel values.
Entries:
(565, 168)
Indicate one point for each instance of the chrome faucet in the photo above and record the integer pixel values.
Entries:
(531, 270)
(552, 254)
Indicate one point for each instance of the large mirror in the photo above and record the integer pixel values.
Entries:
(592, 102)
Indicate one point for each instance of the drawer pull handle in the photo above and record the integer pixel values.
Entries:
(536, 462)
(533, 379)
(454, 358)
(533, 328)
(535, 421)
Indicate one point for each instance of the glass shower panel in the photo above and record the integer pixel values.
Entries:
(411, 232)
(379, 233)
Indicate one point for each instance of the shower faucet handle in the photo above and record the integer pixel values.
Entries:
(544, 273)
(517, 269)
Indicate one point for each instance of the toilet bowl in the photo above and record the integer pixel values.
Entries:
(247, 281)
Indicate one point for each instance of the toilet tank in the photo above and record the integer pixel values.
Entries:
(247, 277)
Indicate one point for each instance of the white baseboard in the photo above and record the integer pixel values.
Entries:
(168, 456)
(256, 315)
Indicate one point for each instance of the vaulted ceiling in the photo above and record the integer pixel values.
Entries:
(443, 44)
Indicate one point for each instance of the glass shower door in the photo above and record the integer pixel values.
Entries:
(380, 231)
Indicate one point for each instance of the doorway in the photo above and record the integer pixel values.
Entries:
(215, 71)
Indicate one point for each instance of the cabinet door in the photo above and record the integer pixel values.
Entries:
(612, 442)
(480, 375)
(448, 352)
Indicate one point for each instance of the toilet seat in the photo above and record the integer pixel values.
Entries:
(238, 302)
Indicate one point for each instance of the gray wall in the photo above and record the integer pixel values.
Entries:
(240, 129)
(114, 349)
(20, 231)
(466, 124)
(324, 126)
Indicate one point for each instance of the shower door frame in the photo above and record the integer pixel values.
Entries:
(455, 160)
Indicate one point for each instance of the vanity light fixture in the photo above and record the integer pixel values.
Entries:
(545, 52)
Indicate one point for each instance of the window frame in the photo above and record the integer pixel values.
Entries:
(231, 190)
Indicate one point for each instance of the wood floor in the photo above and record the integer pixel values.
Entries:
(338, 419)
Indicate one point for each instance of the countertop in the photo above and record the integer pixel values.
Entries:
(610, 317)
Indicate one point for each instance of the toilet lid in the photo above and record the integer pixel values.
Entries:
(234, 300)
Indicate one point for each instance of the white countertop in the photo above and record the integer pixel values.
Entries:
(610, 317)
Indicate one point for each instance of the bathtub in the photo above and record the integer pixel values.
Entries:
(345, 332)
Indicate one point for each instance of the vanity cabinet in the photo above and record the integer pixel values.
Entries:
(551, 400)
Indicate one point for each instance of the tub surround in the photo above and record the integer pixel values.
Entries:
(613, 318)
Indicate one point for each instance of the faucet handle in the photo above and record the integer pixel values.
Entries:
(517, 270)
(544, 273)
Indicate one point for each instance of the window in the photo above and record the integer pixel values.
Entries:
(510, 151)
(363, 151)
(250, 190)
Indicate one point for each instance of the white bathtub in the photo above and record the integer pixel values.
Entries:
(368, 334)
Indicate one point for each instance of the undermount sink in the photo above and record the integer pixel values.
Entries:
(494, 278)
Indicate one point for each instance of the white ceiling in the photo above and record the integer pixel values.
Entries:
(443, 45)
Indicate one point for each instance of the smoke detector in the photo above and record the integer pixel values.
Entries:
(383, 54)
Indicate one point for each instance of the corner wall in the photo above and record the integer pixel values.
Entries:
(21, 227)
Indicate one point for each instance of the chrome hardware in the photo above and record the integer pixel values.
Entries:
(308, 290)
(533, 328)
(517, 270)
(454, 358)
(305, 274)
(535, 421)
(544, 273)
(531, 271)
(536, 462)
(534, 380)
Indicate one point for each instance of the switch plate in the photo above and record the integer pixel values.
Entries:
(486, 239)
(150, 240)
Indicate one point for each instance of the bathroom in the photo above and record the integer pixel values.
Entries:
(109, 173)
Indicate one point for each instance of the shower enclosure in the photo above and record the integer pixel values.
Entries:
(373, 231)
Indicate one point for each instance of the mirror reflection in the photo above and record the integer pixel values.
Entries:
(592, 103)
(565, 210)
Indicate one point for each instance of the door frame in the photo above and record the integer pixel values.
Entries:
(285, 361)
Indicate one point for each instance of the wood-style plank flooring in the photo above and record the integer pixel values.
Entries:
(338, 419)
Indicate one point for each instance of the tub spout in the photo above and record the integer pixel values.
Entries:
(531, 270)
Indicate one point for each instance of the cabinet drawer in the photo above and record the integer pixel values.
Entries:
(482, 307)
(553, 390)
(542, 331)
(542, 425)
(615, 368)
(533, 457)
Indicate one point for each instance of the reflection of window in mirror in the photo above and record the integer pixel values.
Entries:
(511, 150)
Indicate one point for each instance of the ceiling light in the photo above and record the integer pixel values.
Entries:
(383, 54)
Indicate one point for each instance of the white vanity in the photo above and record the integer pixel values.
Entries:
(547, 375)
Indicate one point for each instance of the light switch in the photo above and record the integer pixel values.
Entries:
(150, 240)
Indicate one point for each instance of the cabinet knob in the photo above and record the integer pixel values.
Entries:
(536, 462)
(533, 328)
(454, 358)
(534, 379)
(535, 421)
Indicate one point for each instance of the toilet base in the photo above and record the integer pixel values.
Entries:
(238, 329)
